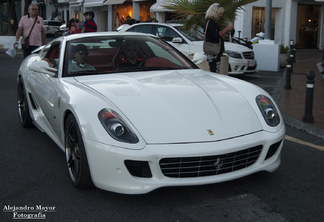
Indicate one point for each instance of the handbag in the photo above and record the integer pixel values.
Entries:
(211, 48)
(25, 41)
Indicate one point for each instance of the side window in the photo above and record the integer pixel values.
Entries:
(166, 33)
(130, 30)
(159, 30)
(160, 52)
(45, 51)
(51, 54)
(143, 29)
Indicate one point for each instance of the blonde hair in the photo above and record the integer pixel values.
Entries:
(213, 11)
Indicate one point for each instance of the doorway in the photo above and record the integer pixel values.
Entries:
(308, 25)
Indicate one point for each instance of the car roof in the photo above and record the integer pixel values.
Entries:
(95, 34)
(156, 23)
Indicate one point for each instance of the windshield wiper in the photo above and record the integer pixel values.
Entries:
(137, 69)
(85, 72)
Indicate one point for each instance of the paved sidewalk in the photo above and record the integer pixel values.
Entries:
(292, 102)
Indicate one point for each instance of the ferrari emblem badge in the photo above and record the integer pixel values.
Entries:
(59, 102)
(210, 132)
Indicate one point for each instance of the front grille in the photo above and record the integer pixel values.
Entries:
(251, 67)
(248, 55)
(180, 167)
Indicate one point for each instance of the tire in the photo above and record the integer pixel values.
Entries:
(23, 108)
(76, 158)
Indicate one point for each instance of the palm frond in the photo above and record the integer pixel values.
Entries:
(192, 12)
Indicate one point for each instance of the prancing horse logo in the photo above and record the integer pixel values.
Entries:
(218, 164)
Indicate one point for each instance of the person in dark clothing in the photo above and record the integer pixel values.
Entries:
(214, 34)
(89, 25)
(131, 59)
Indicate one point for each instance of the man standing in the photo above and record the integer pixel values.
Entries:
(37, 35)
(89, 24)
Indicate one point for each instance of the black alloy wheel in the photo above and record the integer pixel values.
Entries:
(76, 157)
(23, 108)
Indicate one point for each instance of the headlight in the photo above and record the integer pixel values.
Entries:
(233, 54)
(268, 110)
(116, 126)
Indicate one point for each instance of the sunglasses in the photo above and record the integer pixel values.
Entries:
(34, 9)
(83, 53)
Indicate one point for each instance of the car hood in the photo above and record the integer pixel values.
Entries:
(228, 46)
(236, 47)
(178, 106)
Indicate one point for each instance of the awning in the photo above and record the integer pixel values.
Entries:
(75, 1)
(113, 2)
(92, 3)
(97, 3)
(158, 7)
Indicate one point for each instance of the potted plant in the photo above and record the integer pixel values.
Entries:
(283, 55)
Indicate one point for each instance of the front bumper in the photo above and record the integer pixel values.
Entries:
(241, 66)
(109, 172)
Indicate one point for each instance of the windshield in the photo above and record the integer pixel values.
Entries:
(114, 54)
(191, 35)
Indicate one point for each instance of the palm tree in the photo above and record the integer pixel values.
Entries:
(192, 12)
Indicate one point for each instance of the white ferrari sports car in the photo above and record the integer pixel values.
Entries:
(133, 114)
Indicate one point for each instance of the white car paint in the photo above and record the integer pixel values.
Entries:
(171, 111)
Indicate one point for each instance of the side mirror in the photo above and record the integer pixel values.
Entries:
(42, 67)
(199, 58)
(177, 40)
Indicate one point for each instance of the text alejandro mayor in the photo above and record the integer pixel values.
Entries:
(28, 212)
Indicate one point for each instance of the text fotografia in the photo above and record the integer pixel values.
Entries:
(29, 212)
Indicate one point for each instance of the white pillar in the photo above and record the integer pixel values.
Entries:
(268, 16)
(136, 10)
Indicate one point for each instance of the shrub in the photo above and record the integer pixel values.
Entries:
(283, 49)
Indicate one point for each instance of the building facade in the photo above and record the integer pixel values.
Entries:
(298, 20)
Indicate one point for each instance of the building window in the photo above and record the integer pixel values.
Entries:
(258, 21)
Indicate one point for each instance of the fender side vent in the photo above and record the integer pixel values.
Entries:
(33, 104)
